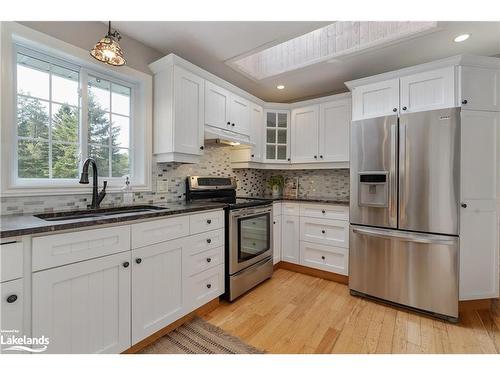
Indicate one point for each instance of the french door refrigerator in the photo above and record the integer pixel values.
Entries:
(403, 241)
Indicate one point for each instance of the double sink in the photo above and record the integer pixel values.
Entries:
(96, 213)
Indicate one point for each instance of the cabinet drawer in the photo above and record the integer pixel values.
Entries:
(335, 212)
(204, 241)
(327, 258)
(277, 209)
(205, 286)
(291, 209)
(151, 232)
(206, 221)
(11, 311)
(196, 263)
(59, 249)
(323, 231)
(11, 261)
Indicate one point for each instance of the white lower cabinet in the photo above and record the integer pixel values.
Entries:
(84, 307)
(204, 287)
(276, 239)
(11, 311)
(157, 285)
(324, 231)
(290, 238)
(327, 258)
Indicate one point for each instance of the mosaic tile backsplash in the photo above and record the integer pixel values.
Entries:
(333, 183)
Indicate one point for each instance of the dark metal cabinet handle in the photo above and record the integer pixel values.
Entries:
(323, 211)
(209, 286)
(323, 257)
(394, 110)
(138, 260)
(232, 124)
(323, 231)
(274, 222)
(288, 159)
(404, 108)
(253, 155)
(209, 260)
(202, 147)
(321, 156)
(464, 205)
(315, 156)
(464, 101)
(209, 221)
(126, 264)
(209, 240)
(12, 298)
(229, 123)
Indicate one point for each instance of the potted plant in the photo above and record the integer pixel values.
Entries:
(276, 183)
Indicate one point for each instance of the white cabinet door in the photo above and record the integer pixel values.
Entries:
(324, 231)
(11, 312)
(217, 106)
(256, 132)
(276, 147)
(430, 90)
(375, 100)
(479, 225)
(290, 239)
(189, 102)
(276, 239)
(240, 115)
(84, 307)
(480, 89)
(305, 133)
(326, 258)
(334, 125)
(157, 288)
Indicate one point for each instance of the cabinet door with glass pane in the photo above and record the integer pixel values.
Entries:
(277, 136)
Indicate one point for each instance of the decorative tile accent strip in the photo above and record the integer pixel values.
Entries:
(216, 161)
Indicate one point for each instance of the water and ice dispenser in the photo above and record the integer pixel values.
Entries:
(373, 189)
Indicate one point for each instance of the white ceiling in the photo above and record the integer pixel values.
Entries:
(210, 44)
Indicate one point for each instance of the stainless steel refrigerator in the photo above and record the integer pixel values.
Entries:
(404, 244)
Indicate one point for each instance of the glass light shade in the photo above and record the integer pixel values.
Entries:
(108, 51)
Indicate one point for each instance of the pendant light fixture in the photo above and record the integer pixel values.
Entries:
(107, 50)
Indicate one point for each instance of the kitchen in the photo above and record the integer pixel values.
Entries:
(146, 205)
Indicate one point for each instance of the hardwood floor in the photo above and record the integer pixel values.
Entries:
(297, 313)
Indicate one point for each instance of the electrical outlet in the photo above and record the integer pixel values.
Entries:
(161, 186)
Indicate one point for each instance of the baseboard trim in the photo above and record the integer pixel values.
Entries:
(200, 311)
(332, 276)
(475, 304)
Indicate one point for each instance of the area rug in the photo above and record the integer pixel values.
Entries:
(199, 337)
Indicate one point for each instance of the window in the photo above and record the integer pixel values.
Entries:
(53, 137)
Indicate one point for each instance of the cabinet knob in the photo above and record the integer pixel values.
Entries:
(288, 159)
(232, 124)
(209, 260)
(202, 147)
(323, 211)
(323, 257)
(209, 286)
(274, 222)
(464, 205)
(464, 101)
(228, 123)
(253, 155)
(138, 260)
(323, 231)
(321, 156)
(404, 108)
(12, 298)
(209, 240)
(126, 264)
(394, 110)
(209, 221)
(315, 156)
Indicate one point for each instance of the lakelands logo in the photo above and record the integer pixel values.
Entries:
(11, 341)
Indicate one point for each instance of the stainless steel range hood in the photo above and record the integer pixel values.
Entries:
(226, 137)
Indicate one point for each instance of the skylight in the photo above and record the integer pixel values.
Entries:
(337, 39)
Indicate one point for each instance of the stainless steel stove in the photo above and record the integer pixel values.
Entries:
(249, 234)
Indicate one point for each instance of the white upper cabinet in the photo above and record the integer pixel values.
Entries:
(217, 106)
(178, 114)
(480, 193)
(277, 136)
(480, 89)
(256, 131)
(305, 132)
(334, 125)
(428, 90)
(375, 100)
(225, 110)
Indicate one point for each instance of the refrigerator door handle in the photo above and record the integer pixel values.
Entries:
(402, 171)
(408, 237)
(393, 188)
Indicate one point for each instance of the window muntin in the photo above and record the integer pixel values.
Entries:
(50, 143)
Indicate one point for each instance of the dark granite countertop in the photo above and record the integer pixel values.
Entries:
(343, 202)
(19, 225)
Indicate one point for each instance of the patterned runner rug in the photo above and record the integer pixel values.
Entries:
(199, 337)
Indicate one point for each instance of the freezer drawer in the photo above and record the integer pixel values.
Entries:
(412, 269)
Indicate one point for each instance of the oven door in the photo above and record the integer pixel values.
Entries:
(250, 236)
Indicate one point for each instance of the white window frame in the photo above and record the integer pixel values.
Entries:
(13, 34)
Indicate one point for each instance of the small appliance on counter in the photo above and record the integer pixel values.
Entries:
(249, 232)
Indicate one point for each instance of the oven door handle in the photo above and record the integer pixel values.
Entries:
(246, 212)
